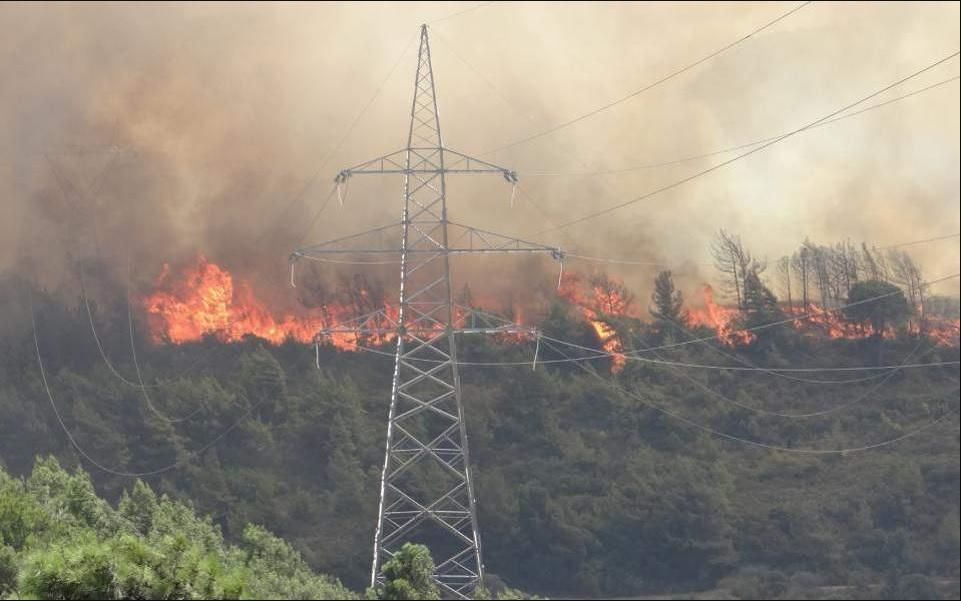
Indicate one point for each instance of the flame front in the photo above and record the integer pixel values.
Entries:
(813, 320)
(205, 300)
(722, 320)
(604, 300)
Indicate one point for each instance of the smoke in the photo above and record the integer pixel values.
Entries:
(141, 135)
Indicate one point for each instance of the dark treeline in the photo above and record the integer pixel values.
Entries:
(583, 488)
(818, 273)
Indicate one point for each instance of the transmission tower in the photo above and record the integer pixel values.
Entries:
(426, 489)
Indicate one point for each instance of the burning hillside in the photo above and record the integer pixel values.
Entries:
(205, 299)
(600, 299)
(813, 320)
(721, 319)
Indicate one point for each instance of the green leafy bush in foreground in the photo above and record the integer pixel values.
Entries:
(59, 540)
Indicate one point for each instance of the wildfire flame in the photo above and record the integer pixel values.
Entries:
(721, 319)
(812, 320)
(602, 301)
(204, 299)
(943, 331)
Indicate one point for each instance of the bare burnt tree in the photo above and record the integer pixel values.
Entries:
(610, 296)
(906, 274)
(783, 270)
(361, 295)
(801, 262)
(820, 271)
(844, 262)
(870, 266)
(735, 263)
(313, 289)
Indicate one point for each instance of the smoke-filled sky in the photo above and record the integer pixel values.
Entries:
(149, 132)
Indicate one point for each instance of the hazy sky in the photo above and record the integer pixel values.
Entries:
(228, 111)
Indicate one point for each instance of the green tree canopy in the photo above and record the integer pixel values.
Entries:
(668, 301)
(408, 575)
(59, 540)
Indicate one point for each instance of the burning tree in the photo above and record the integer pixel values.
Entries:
(760, 308)
(734, 262)
(876, 305)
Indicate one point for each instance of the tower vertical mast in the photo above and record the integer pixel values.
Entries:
(426, 489)
(426, 303)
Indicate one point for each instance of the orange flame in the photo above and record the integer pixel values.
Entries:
(206, 301)
(812, 320)
(943, 331)
(721, 319)
(603, 301)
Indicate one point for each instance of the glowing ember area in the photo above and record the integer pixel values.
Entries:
(831, 324)
(943, 331)
(603, 300)
(812, 320)
(721, 319)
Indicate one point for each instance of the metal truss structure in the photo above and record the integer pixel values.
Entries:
(426, 490)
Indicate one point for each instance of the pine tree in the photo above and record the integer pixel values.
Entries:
(408, 575)
(668, 301)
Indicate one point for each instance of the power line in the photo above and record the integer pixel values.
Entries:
(316, 216)
(635, 355)
(834, 409)
(140, 381)
(618, 261)
(647, 87)
(96, 338)
(680, 182)
(459, 13)
(136, 363)
(913, 242)
(602, 354)
(771, 447)
(704, 155)
(595, 259)
(351, 262)
(191, 455)
(90, 194)
(795, 318)
(524, 191)
(629, 357)
(310, 182)
(747, 362)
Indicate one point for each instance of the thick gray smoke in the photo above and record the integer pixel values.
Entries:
(145, 134)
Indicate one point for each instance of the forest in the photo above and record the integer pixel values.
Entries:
(621, 475)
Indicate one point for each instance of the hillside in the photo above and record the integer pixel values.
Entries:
(582, 487)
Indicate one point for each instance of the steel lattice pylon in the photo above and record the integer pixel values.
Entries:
(426, 492)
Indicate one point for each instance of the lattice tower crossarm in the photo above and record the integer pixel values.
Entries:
(427, 489)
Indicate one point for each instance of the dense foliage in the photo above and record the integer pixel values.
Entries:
(59, 540)
(407, 575)
(583, 488)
